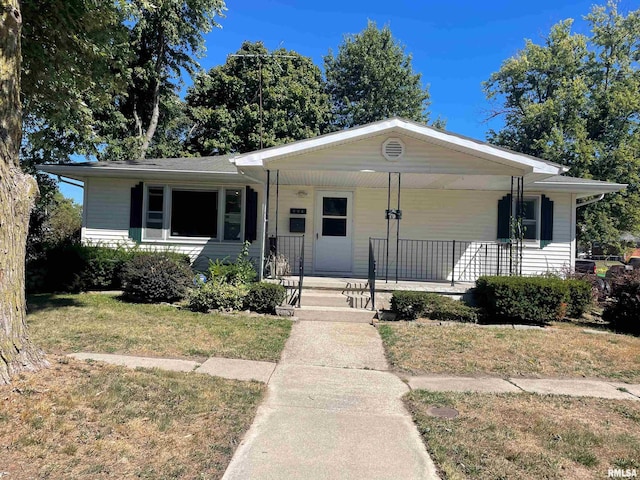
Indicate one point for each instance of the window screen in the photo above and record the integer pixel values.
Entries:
(530, 218)
(334, 227)
(155, 215)
(232, 214)
(334, 207)
(194, 213)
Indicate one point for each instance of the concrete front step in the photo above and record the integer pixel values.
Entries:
(334, 314)
(316, 298)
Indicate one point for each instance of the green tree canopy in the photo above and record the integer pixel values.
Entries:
(575, 100)
(164, 39)
(72, 53)
(371, 78)
(72, 66)
(224, 103)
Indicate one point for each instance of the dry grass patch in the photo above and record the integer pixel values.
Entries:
(527, 436)
(85, 420)
(102, 323)
(563, 351)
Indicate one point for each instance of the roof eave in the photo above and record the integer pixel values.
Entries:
(78, 172)
(581, 189)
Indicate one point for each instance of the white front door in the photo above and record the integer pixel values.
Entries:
(333, 225)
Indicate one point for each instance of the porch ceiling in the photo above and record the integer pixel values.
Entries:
(381, 180)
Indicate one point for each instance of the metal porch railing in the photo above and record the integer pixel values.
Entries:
(439, 260)
(285, 259)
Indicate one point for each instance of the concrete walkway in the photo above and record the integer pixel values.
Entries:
(340, 346)
(332, 412)
(575, 387)
(220, 367)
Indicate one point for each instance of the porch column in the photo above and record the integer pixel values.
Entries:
(393, 245)
(265, 226)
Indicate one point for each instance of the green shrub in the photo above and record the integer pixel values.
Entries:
(264, 297)
(411, 305)
(74, 268)
(452, 310)
(623, 314)
(103, 267)
(580, 297)
(215, 295)
(241, 271)
(155, 277)
(58, 270)
(535, 300)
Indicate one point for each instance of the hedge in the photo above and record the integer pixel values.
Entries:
(75, 268)
(410, 305)
(531, 300)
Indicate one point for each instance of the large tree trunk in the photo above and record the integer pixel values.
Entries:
(155, 114)
(153, 123)
(17, 194)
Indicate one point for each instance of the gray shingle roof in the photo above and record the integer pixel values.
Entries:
(217, 164)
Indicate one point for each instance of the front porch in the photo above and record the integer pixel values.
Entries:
(329, 294)
(439, 266)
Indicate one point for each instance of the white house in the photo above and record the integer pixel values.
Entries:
(413, 201)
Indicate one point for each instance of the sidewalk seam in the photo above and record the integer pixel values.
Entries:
(618, 387)
(508, 380)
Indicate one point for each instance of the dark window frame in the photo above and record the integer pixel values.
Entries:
(167, 212)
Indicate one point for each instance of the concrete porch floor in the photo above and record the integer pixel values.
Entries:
(339, 283)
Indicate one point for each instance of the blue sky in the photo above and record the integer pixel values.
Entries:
(456, 44)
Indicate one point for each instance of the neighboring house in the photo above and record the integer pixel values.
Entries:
(461, 203)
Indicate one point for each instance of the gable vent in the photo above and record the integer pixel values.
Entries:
(393, 149)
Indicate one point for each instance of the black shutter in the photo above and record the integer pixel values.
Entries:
(251, 215)
(504, 218)
(546, 222)
(135, 213)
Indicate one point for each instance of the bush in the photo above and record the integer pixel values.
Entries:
(580, 296)
(58, 270)
(411, 305)
(217, 295)
(535, 300)
(103, 267)
(264, 297)
(241, 271)
(623, 314)
(452, 310)
(155, 277)
(74, 268)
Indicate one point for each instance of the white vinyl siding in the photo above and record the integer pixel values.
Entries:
(107, 208)
(366, 154)
(427, 215)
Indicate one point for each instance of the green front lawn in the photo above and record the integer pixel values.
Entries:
(528, 436)
(102, 323)
(79, 420)
(566, 350)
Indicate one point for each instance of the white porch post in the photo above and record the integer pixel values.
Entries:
(265, 223)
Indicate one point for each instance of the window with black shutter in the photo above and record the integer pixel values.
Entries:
(536, 213)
